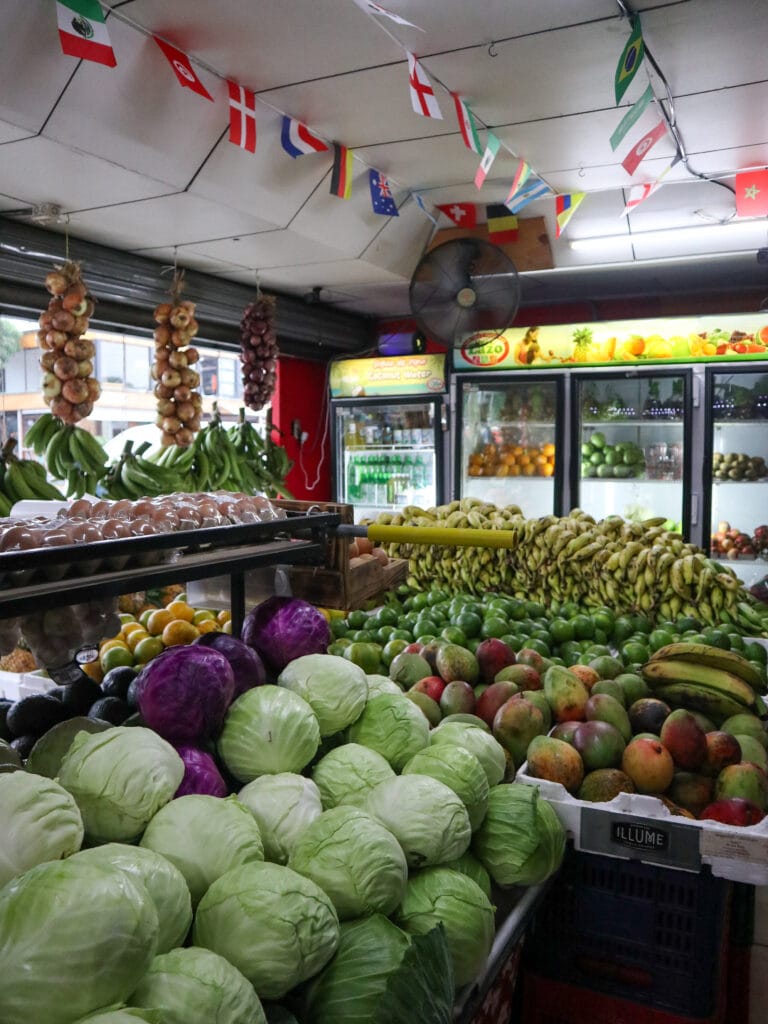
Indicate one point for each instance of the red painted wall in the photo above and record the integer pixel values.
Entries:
(302, 394)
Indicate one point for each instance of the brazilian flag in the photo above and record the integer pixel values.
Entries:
(630, 60)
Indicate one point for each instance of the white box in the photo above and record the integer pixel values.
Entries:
(9, 685)
(35, 682)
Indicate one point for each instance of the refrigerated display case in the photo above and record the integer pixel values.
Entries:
(631, 435)
(387, 434)
(736, 469)
(509, 432)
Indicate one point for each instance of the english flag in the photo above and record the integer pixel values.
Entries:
(242, 117)
(463, 215)
(752, 194)
(423, 99)
(639, 193)
(635, 156)
(297, 139)
(183, 69)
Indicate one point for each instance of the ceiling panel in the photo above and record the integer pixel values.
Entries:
(267, 249)
(194, 260)
(12, 133)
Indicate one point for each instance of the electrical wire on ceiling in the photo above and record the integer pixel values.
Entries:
(667, 108)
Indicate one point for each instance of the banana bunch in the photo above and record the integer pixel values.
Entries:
(133, 476)
(22, 480)
(70, 453)
(716, 682)
(216, 465)
(263, 464)
(631, 567)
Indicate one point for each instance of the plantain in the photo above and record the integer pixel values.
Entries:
(660, 672)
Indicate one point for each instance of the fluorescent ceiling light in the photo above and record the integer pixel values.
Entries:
(733, 231)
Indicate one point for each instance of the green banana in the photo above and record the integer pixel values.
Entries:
(660, 672)
(713, 703)
(716, 657)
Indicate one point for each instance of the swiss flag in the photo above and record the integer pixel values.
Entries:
(752, 194)
(463, 215)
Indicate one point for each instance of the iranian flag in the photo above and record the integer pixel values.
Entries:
(82, 31)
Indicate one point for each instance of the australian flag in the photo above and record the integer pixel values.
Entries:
(381, 194)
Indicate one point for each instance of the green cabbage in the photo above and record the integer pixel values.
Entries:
(277, 927)
(164, 883)
(467, 864)
(283, 805)
(426, 817)
(74, 937)
(268, 730)
(381, 976)
(459, 770)
(123, 1015)
(521, 841)
(204, 836)
(381, 684)
(347, 774)
(477, 741)
(354, 859)
(333, 687)
(40, 822)
(441, 896)
(120, 778)
(196, 986)
(393, 726)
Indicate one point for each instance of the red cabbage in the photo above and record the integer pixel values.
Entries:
(246, 665)
(184, 693)
(283, 628)
(201, 776)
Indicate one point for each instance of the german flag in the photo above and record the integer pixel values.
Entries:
(341, 179)
(502, 225)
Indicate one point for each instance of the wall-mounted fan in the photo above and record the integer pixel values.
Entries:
(463, 286)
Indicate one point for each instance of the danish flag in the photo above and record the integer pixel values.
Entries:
(242, 117)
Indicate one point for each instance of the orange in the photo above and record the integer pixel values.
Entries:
(548, 470)
(548, 449)
(502, 470)
(148, 648)
(116, 641)
(529, 470)
(514, 470)
(179, 632)
(135, 638)
(144, 616)
(158, 620)
(115, 657)
(761, 334)
(224, 615)
(209, 626)
(93, 670)
(131, 627)
(475, 471)
(180, 610)
(540, 460)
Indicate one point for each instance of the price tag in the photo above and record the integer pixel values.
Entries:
(66, 675)
(736, 845)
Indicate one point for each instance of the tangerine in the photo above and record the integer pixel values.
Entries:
(181, 610)
(178, 632)
(158, 620)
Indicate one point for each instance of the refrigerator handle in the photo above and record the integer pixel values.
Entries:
(694, 509)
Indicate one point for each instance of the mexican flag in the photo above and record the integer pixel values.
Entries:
(82, 31)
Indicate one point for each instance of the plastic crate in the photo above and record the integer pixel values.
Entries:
(496, 1007)
(551, 1002)
(634, 931)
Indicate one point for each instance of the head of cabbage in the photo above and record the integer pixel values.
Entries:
(393, 726)
(354, 859)
(196, 986)
(477, 741)
(460, 770)
(283, 806)
(120, 778)
(277, 927)
(333, 687)
(347, 774)
(41, 822)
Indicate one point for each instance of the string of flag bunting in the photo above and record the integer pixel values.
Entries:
(83, 34)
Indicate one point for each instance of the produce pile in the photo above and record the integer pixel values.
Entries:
(623, 460)
(275, 835)
(633, 567)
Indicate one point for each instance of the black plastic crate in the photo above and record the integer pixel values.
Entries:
(636, 931)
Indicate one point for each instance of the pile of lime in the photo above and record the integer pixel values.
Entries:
(622, 460)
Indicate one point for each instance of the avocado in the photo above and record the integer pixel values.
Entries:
(116, 682)
(79, 696)
(23, 744)
(110, 709)
(32, 716)
(5, 707)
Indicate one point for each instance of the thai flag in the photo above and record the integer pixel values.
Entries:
(298, 140)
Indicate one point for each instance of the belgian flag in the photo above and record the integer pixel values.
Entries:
(502, 225)
(341, 179)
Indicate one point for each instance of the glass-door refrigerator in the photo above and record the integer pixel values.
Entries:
(736, 469)
(388, 420)
(509, 432)
(631, 441)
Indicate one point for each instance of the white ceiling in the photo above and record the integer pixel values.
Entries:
(140, 164)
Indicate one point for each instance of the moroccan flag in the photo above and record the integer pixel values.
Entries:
(463, 215)
(381, 194)
(634, 157)
(527, 194)
(752, 193)
(466, 124)
(492, 145)
(298, 140)
(183, 69)
(631, 117)
(630, 60)
(242, 117)
(565, 207)
(83, 33)
(341, 179)
(502, 225)
(521, 176)
(423, 99)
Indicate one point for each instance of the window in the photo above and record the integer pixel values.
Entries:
(228, 377)
(137, 367)
(109, 362)
(15, 374)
